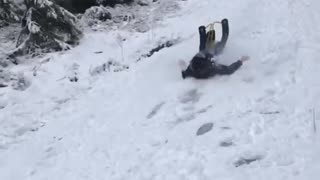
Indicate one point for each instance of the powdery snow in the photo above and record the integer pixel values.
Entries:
(141, 123)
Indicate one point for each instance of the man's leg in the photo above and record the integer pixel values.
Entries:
(203, 37)
(225, 31)
(225, 34)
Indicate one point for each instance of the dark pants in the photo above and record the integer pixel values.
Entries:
(221, 44)
(203, 37)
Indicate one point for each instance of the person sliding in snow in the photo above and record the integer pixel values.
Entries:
(202, 65)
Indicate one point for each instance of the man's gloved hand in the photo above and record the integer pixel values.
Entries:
(244, 58)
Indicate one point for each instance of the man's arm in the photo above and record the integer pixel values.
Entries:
(227, 70)
(187, 73)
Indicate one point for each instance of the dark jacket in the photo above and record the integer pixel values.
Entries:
(202, 67)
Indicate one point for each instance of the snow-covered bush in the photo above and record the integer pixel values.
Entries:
(140, 17)
(21, 83)
(9, 12)
(110, 66)
(47, 27)
(4, 78)
(17, 81)
(95, 15)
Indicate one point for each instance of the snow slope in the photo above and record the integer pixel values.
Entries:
(141, 123)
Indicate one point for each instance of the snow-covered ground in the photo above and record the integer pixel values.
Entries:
(141, 123)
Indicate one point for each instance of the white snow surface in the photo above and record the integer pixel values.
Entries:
(141, 123)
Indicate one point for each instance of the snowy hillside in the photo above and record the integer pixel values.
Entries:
(102, 112)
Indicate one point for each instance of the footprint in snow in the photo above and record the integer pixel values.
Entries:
(205, 128)
(226, 143)
(155, 110)
(204, 110)
(186, 106)
(225, 128)
(187, 112)
(247, 160)
(191, 96)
